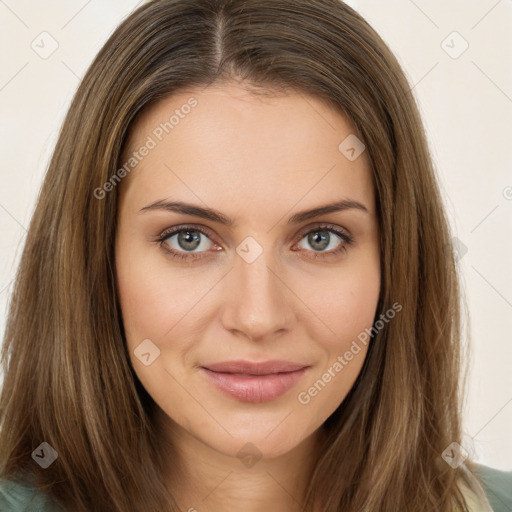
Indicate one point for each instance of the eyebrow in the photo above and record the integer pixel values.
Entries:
(216, 216)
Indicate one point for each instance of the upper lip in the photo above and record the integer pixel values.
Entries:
(250, 368)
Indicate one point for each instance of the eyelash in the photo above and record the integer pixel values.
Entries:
(346, 238)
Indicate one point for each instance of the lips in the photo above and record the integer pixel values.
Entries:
(249, 368)
(254, 382)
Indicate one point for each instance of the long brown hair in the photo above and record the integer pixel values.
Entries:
(67, 376)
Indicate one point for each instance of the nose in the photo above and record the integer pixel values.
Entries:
(258, 300)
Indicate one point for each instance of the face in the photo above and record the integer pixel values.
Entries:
(240, 310)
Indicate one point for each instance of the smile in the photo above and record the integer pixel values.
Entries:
(254, 382)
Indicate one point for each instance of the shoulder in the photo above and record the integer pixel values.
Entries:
(22, 497)
(498, 487)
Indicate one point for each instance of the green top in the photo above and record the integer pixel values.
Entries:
(15, 497)
(498, 487)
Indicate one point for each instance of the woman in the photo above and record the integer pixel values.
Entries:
(238, 289)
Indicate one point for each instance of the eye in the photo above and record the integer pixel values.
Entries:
(321, 239)
(189, 241)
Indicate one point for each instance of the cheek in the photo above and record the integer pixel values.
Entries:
(345, 301)
(152, 298)
(155, 303)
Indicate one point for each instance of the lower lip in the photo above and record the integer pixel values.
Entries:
(254, 388)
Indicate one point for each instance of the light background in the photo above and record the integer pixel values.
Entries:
(466, 104)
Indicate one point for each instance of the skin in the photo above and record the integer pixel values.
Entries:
(258, 160)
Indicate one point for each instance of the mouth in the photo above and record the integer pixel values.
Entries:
(254, 382)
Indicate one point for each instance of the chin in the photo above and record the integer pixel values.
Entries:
(255, 442)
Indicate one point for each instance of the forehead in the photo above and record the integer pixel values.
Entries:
(273, 146)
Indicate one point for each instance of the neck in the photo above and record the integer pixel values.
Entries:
(203, 479)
